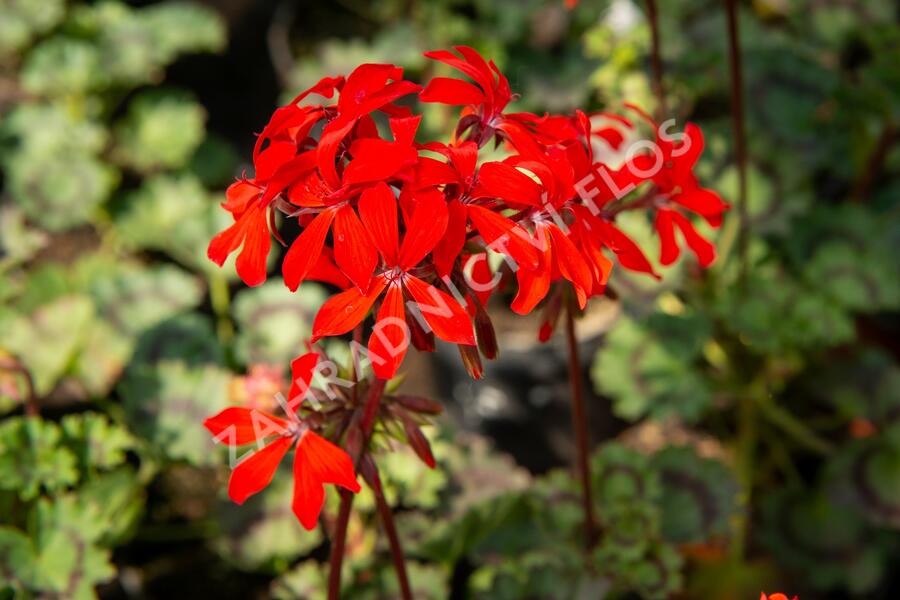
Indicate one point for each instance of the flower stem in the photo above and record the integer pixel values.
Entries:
(338, 541)
(219, 298)
(387, 520)
(740, 140)
(580, 426)
(656, 60)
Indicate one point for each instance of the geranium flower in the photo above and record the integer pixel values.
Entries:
(397, 281)
(373, 160)
(484, 100)
(285, 154)
(316, 460)
(678, 191)
(777, 596)
(466, 203)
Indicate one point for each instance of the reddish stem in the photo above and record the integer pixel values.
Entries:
(367, 423)
(737, 114)
(580, 426)
(387, 520)
(30, 405)
(338, 541)
(656, 60)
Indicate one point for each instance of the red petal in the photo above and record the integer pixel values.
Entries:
(446, 317)
(304, 252)
(424, 229)
(378, 210)
(239, 195)
(533, 284)
(702, 249)
(327, 272)
(316, 463)
(701, 201)
(451, 244)
(342, 312)
(252, 230)
(451, 91)
(353, 250)
(571, 263)
(504, 236)
(301, 375)
(390, 337)
(256, 471)
(629, 254)
(507, 183)
(272, 158)
(376, 159)
(237, 426)
(668, 246)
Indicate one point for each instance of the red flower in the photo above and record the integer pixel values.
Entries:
(316, 460)
(443, 314)
(373, 159)
(469, 201)
(290, 155)
(679, 190)
(777, 596)
(484, 100)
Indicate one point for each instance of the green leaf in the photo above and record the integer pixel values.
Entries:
(699, 495)
(32, 459)
(96, 441)
(70, 562)
(649, 368)
(21, 21)
(263, 533)
(161, 131)
(47, 339)
(166, 403)
(273, 323)
(17, 559)
(133, 299)
(174, 214)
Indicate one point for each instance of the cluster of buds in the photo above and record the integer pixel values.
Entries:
(421, 234)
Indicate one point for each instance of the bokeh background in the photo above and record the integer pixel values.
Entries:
(747, 435)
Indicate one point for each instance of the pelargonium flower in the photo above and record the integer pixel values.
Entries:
(316, 460)
(397, 282)
(679, 191)
(284, 155)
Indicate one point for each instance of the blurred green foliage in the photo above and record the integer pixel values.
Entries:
(129, 335)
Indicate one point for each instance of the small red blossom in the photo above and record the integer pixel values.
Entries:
(316, 460)
(776, 596)
(397, 282)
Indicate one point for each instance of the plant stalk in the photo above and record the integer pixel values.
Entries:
(387, 520)
(580, 427)
(738, 124)
(338, 541)
(656, 61)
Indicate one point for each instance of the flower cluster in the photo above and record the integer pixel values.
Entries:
(420, 234)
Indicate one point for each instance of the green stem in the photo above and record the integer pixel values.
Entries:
(220, 298)
(745, 457)
(794, 427)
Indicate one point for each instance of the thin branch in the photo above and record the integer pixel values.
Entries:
(656, 61)
(30, 404)
(580, 427)
(338, 542)
(390, 529)
(738, 124)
